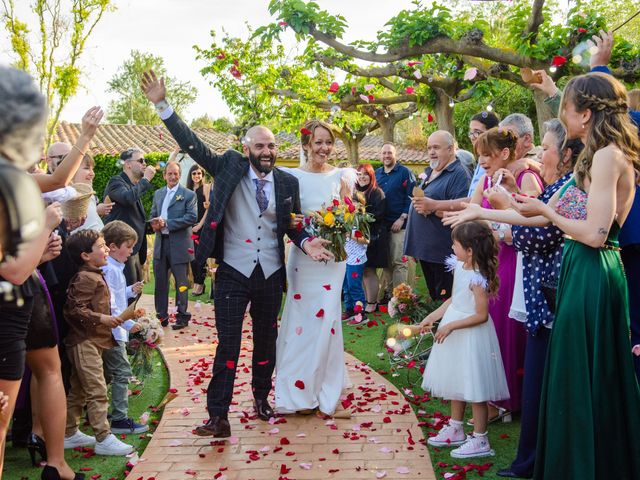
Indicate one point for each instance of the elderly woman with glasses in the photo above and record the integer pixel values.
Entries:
(126, 191)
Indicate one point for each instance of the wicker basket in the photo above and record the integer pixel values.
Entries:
(76, 208)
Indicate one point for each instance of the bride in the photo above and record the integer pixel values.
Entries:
(310, 369)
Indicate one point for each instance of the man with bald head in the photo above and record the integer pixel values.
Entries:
(55, 153)
(427, 239)
(251, 210)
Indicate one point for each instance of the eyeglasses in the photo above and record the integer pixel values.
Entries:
(196, 172)
(475, 134)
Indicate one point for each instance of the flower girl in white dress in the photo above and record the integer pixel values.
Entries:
(465, 363)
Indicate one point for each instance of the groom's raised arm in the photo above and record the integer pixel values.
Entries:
(155, 91)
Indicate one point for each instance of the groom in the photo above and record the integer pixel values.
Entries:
(251, 210)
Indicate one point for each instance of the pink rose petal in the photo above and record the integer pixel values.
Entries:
(298, 330)
(470, 73)
(402, 470)
(381, 474)
(364, 98)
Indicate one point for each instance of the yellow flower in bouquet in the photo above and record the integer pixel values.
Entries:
(337, 220)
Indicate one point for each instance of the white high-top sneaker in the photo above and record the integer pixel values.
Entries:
(475, 446)
(448, 436)
(79, 439)
(112, 446)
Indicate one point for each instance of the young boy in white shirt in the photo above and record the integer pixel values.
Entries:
(120, 238)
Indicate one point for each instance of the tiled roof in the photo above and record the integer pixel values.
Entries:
(113, 139)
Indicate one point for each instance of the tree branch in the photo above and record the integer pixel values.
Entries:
(439, 44)
(536, 20)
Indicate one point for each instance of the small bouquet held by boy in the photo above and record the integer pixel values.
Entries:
(338, 221)
(143, 342)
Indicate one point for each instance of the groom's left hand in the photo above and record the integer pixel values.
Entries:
(315, 249)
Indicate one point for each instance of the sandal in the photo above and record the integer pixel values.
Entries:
(375, 308)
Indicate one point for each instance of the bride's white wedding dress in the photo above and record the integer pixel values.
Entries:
(310, 368)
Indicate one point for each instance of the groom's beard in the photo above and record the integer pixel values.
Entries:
(256, 161)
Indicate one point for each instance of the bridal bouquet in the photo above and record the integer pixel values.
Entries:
(338, 220)
(143, 342)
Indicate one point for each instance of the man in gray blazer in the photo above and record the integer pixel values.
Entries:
(173, 213)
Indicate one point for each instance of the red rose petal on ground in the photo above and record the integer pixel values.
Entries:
(284, 469)
(284, 441)
(320, 313)
(334, 470)
(411, 364)
(231, 364)
(383, 309)
(504, 436)
(335, 451)
(386, 420)
(299, 384)
(173, 390)
(327, 287)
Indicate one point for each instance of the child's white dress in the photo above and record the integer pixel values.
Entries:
(467, 366)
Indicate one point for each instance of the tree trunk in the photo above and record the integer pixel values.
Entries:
(543, 112)
(444, 113)
(351, 145)
(387, 127)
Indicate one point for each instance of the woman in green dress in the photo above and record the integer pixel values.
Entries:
(590, 409)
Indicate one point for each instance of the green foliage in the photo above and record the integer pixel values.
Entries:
(417, 26)
(107, 166)
(300, 16)
(221, 124)
(52, 51)
(132, 106)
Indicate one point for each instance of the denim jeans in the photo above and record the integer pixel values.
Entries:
(352, 287)
(118, 369)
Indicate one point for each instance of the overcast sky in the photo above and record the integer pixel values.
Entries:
(170, 28)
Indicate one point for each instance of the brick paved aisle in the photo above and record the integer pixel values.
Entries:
(381, 440)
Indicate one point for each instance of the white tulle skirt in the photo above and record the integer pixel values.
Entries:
(467, 366)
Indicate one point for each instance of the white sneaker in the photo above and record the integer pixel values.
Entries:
(112, 446)
(475, 446)
(79, 439)
(449, 436)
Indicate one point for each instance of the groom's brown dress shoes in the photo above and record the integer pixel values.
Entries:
(264, 410)
(217, 427)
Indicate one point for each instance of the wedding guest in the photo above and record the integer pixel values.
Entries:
(125, 192)
(542, 255)
(173, 213)
(120, 239)
(96, 210)
(195, 182)
(23, 112)
(377, 251)
(496, 149)
(427, 239)
(397, 182)
(590, 385)
(88, 312)
(464, 365)
(480, 123)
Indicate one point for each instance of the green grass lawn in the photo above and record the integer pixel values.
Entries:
(18, 464)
